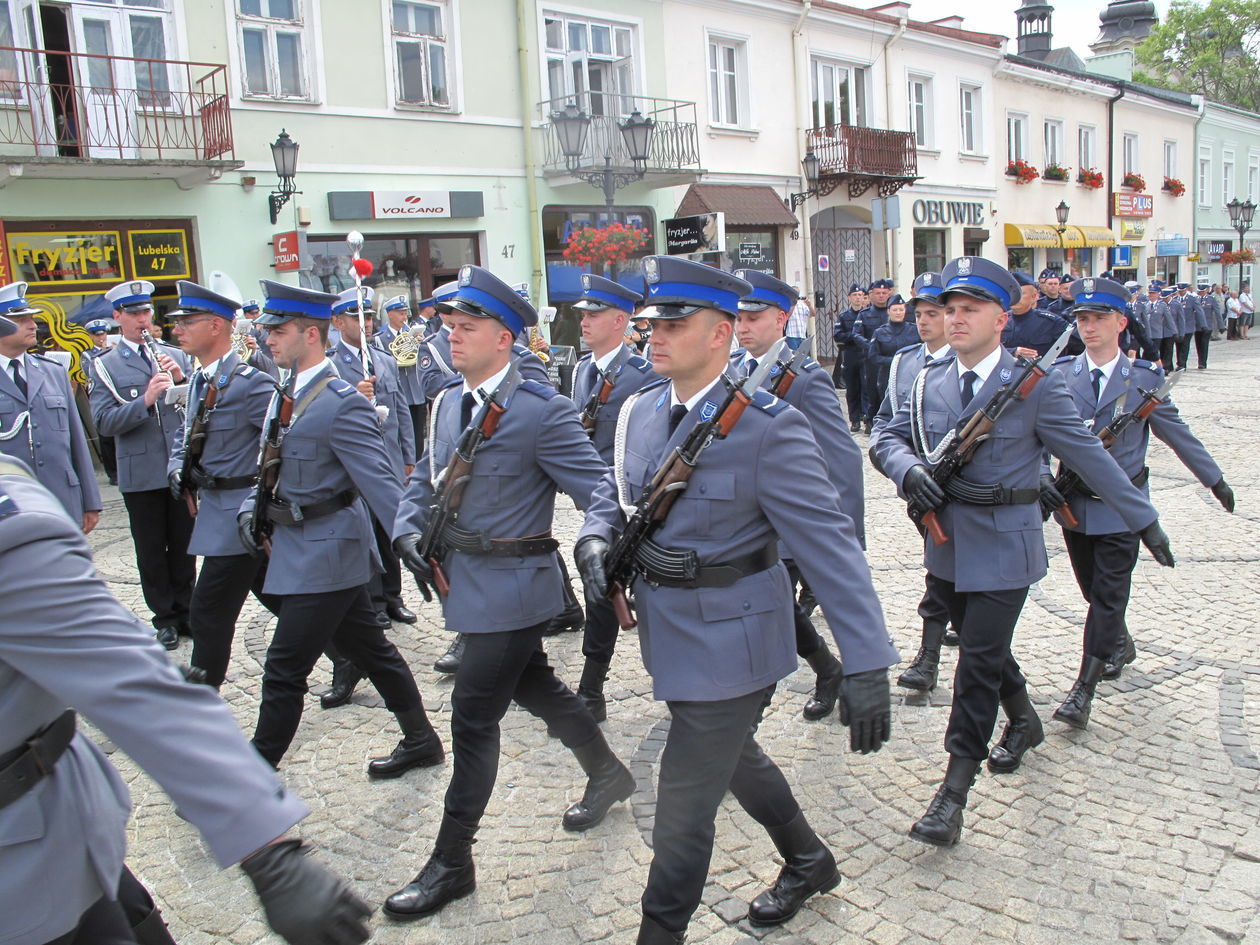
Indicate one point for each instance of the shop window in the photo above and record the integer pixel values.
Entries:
(420, 47)
(1019, 258)
(752, 248)
(271, 34)
(929, 251)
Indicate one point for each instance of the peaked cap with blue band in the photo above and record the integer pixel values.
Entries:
(99, 326)
(1098, 295)
(443, 294)
(599, 294)
(980, 279)
(481, 293)
(397, 302)
(927, 288)
(250, 307)
(198, 300)
(677, 287)
(13, 300)
(348, 301)
(284, 302)
(767, 292)
(1167, 292)
(129, 296)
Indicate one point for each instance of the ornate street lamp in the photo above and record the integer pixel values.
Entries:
(1240, 217)
(812, 168)
(572, 125)
(284, 152)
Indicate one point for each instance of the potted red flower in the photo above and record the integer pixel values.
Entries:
(1022, 171)
(1134, 182)
(604, 246)
(1237, 257)
(1174, 187)
(1091, 178)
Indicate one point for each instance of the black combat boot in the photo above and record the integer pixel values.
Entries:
(826, 686)
(591, 688)
(572, 617)
(941, 825)
(344, 678)
(1023, 731)
(1125, 654)
(1075, 708)
(652, 934)
(951, 636)
(921, 674)
(808, 868)
(448, 662)
(608, 782)
(419, 748)
(449, 874)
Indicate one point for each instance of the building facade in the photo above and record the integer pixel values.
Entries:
(1226, 167)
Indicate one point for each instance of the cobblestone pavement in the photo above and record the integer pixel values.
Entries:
(1142, 829)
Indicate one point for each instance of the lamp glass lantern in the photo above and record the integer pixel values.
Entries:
(571, 125)
(637, 133)
(812, 168)
(1061, 212)
(1247, 214)
(284, 154)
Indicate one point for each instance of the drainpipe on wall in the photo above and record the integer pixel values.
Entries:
(1200, 103)
(524, 58)
(890, 247)
(800, 62)
(1111, 155)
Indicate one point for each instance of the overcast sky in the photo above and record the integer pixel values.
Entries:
(1074, 22)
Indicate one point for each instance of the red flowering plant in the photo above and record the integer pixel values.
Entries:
(600, 246)
(1174, 186)
(1134, 182)
(1092, 178)
(1055, 172)
(1022, 171)
(1238, 257)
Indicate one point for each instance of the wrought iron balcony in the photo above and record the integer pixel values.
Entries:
(59, 108)
(674, 154)
(863, 158)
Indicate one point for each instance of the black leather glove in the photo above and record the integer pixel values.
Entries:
(175, 482)
(1051, 499)
(245, 531)
(589, 555)
(407, 547)
(921, 489)
(1224, 495)
(306, 903)
(1156, 541)
(865, 708)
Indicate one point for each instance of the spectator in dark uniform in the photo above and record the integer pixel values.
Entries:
(889, 338)
(849, 334)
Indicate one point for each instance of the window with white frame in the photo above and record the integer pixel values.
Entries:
(1086, 147)
(10, 90)
(728, 79)
(420, 35)
(590, 62)
(837, 93)
(1016, 136)
(1228, 181)
(919, 97)
(1052, 136)
(1205, 177)
(969, 118)
(1132, 165)
(1170, 159)
(1253, 180)
(271, 34)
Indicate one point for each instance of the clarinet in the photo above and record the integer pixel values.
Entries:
(152, 347)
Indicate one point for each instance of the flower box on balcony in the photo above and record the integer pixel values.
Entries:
(1093, 179)
(1173, 186)
(1134, 182)
(1055, 172)
(1022, 171)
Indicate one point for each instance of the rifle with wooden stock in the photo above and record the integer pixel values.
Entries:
(790, 370)
(599, 397)
(195, 446)
(269, 461)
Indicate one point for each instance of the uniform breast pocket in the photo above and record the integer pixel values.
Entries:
(937, 423)
(494, 477)
(301, 453)
(1003, 442)
(57, 411)
(707, 504)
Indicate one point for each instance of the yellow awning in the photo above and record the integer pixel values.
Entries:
(1031, 234)
(1098, 236)
(1047, 235)
(1073, 238)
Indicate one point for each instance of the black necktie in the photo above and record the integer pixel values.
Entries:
(752, 366)
(1096, 375)
(466, 406)
(17, 376)
(969, 386)
(144, 356)
(676, 413)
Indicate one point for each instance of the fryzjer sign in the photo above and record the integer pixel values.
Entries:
(410, 203)
(704, 233)
(52, 258)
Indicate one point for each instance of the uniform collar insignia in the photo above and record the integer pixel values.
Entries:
(660, 401)
(707, 410)
(345, 356)
(1077, 368)
(776, 371)
(222, 379)
(1124, 370)
(1005, 374)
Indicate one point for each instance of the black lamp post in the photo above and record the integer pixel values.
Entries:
(1061, 214)
(284, 152)
(1240, 217)
(572, 126)
(811, 166)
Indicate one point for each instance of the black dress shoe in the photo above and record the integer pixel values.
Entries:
(345, 677)
(609, 782)
(448, 662)
(571, 618)
(808, 868)
(1117, 661)
(1023, 731)
(921, 674)
(951, 637)
(168, 637)
(855, 426)
(826, 686)
(400, 613)
(419, 748)
(449, 875)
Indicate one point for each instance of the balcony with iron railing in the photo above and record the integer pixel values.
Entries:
(863, 158)
(673, 156)
(68, 114)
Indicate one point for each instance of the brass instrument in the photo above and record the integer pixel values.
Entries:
(538, 344)
(241, 339)
(405, 348)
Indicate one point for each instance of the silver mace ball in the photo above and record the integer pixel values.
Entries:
(355, 240)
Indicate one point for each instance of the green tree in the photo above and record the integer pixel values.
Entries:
(1211, 50)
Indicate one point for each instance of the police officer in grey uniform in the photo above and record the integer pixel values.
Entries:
(99, 329)
(1184, 307)
(995, 547)
(759, 324)
(128, 397)
(1161, 324)
(223, 474)
(334, 467)
(504, 580)
(715, 644)
(63, 807)
(398, 321)
(1105, 384)
(1207, 318)
(38, 421)
(606, 307)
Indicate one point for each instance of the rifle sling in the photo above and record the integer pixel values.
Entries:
(476, 543)
(977, 493)
(668, 567)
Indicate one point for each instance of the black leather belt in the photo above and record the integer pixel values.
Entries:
(25, 766)
(667, 567)
(280, 512)
(476, 543)
(1139, 480)
(977, 493)
(203, 480)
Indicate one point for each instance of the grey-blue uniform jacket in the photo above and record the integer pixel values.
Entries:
(233, 430)
(119, 379)
(42, 428)
(813, 393)
(714, 643)
(1213, 318)
(1002, 547)
(408, 376)
(1182, 315)
(1120, 395)
(1159, 321)
(436, 370)
(400, 437)
(62, 843)
(333, 434)
(538, 445)
(1204, 319)
(905, 367)
(630, 373)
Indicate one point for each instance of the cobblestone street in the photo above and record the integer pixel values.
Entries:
(1144, 828)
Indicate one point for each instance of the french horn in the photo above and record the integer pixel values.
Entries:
(405, 348)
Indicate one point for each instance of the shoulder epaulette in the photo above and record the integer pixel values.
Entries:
(539, 389)
(1065, 359)
(811, 365)
(639, 363)
(43, 357)
(908, 348)
(738, 353)
(342, 388)
(452, 381)
(938, 362)
(654, 384)
(586, 355)
(245, 369)
(1053, 316)
(1149, 365)
(765, 401)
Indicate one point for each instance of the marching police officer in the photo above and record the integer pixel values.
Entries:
(848, 370)
(1030, 331)
(128, 397)
(398, 320)
(1136, 340)
(334, 467)
(227, 410)
(38, 421)
(504, 583)
(1206, 318)
(1163, 325)
(717, 643)
(1106, 384)
(994, 546)
(1184, 308)
(63, 807)
(605, 376)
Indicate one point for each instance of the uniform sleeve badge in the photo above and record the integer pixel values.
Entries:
(426, 361)
(707, 410)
